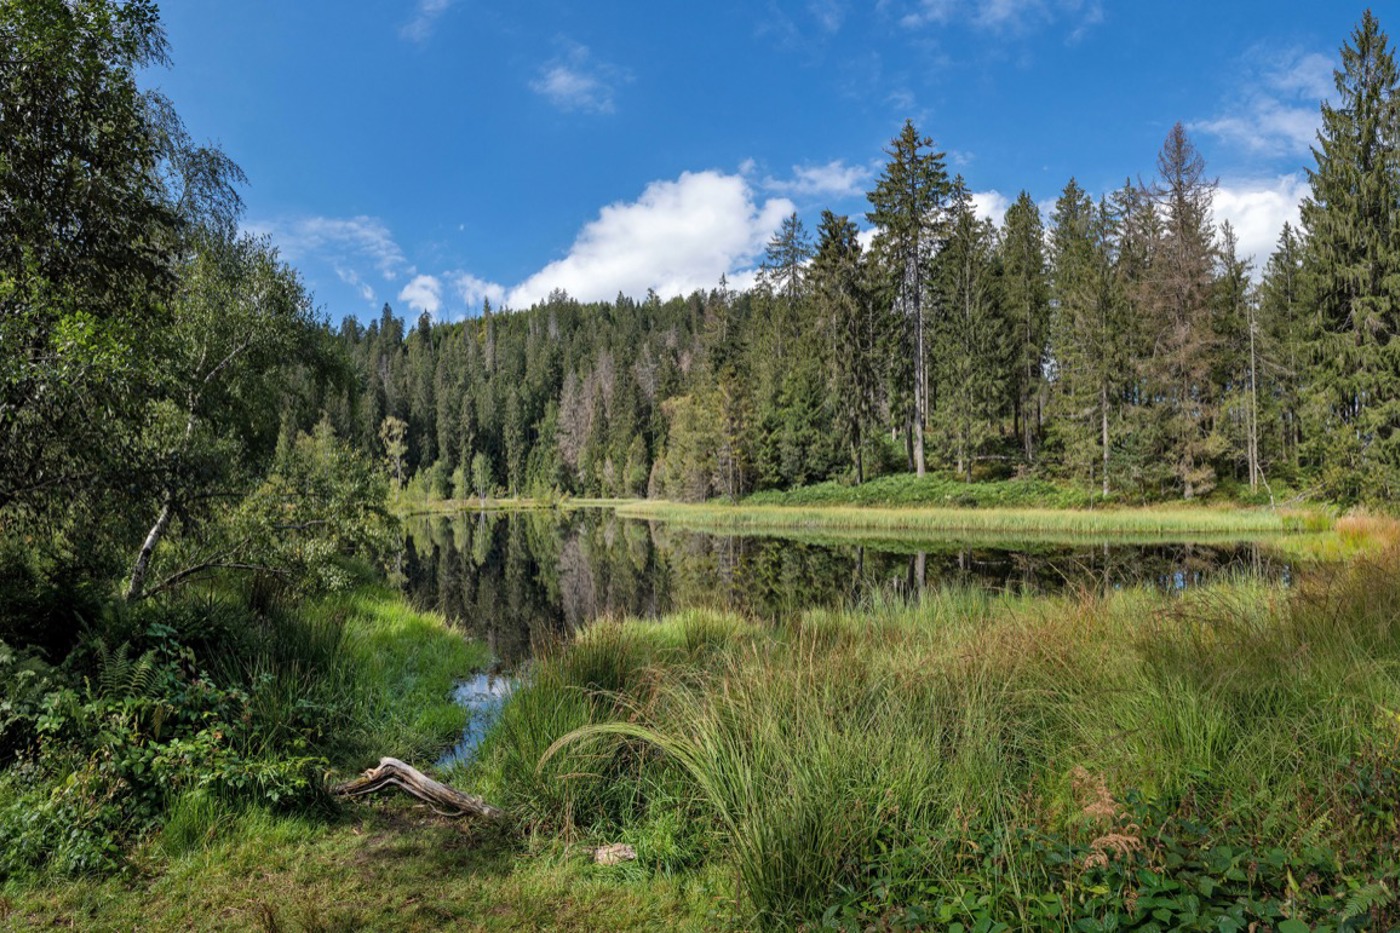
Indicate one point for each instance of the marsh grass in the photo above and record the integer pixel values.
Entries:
(1011, 523)
(816, 754)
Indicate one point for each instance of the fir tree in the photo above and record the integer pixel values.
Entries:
(1352, 272)
(906, 209)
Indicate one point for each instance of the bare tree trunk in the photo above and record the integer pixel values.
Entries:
(1253, 408)
(137, 584)
(1103, 426)
(920, 375)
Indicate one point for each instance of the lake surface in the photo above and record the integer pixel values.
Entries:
(513, 578)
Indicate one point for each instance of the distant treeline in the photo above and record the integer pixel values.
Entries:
(1121, 343)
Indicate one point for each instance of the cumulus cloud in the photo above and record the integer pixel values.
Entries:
(576, 81)
(473, 291)
(835, 179)
(425, 17)
(677, 237)
(990, 205)
(1276, 112)
(423, 293)
(1258, 210)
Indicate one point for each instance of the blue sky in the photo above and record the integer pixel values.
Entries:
(431, 153)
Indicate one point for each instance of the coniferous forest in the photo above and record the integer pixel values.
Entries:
(1119, 342)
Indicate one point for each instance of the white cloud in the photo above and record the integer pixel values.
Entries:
(677, 237)
(423, 293)
(425, 17)
(991, 205)
(577, 82)
(474, 291)
(1276, 110)
(1258, 210)
(343, 242)
(835, 179)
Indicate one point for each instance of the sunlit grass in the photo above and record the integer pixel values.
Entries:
(1007, 522)
(804, 753)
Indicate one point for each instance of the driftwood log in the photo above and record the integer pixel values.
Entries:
(444, 800)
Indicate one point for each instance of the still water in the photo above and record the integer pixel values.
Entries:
(513, 578)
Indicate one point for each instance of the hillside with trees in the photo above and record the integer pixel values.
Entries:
(1121, 344)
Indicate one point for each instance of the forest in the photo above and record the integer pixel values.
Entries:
(1120, 344)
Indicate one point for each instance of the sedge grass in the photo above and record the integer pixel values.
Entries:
(812, 752)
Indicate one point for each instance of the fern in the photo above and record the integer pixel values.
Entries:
(120, 676)
(1365, 899)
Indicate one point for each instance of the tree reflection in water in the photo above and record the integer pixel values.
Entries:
(514, 578)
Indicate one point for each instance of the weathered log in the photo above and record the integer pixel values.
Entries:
(443, 800)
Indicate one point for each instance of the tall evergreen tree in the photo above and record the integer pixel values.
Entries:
(1087, 331)
(1181, 309)
(1026, 303)
(1285, 331)
(1352, 272)
(971, 341)
(854, 323)
(906, 208)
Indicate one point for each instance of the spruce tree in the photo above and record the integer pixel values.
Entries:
(1352, 273)
(970, 342)
(1181, 309)
(1088, 329)
(1026, 302)
(854, 323)
(1285, 332)
(906, 209)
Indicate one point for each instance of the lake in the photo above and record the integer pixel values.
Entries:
(513, 578)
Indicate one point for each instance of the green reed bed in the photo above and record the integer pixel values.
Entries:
(1201, 762)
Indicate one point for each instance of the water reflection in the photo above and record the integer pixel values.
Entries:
(512, 578)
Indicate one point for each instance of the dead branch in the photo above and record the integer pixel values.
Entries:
(443, 800)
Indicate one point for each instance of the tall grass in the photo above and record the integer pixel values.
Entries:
(814, 756)
(1009, 522)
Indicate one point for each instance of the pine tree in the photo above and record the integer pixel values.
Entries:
(1088, 330)
(1180, 306)
(1352, 272)
(970, 340)
(906, 209)
(1026, 303)
(854, 324)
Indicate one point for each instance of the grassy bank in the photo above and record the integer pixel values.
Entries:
(1140, 523)
(371, 677)
(1206, 762)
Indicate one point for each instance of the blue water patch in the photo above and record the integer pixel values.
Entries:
(483, 697)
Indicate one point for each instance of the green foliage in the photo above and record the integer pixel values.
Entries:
(206, 707)
(1351, 274)
(321, 504)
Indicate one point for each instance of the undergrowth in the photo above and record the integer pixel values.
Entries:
(179, 715)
